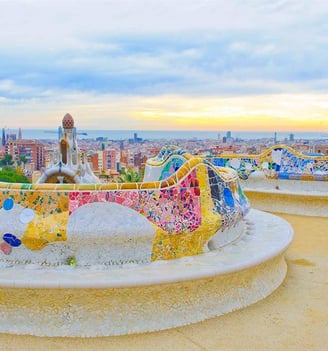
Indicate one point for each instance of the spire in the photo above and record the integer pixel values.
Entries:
(3, 137)
(20, 137)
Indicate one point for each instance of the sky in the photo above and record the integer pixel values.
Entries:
(165, 64)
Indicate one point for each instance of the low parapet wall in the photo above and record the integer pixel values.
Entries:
(277, 162)
(308, 198)
(171, 218)
(282, 180)
(299, 204)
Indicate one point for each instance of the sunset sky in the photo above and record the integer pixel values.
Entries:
(170, 65)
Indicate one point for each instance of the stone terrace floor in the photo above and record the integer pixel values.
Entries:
(294, 317)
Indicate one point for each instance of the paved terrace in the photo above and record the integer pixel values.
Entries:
(294, 317)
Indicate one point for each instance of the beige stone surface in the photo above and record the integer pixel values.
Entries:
(294, 317)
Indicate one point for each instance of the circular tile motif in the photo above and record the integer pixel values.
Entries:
(26, 216)
(8, 204)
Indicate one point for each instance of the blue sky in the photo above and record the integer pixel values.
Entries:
(164, 64)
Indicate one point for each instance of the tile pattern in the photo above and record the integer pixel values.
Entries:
(175, 210)
(171, 167)
(192, 203)
(279, 161)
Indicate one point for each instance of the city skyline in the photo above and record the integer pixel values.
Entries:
(152, 65)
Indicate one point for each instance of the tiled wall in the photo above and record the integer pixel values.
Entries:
(280, 162)
(186, 209)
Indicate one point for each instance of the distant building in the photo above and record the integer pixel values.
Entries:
(100, 160)
(11, 137)
(124, 158)
(2, 151)
(33, 151)
(137, 160)
(109, 160)
(121, 145)
(321, 149)
(135, 139)
(153, 151)
(93, 160)
(3, 139)
(101, 139)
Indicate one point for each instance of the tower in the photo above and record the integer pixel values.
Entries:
(3, 140)
(68, 142)
(71, 165)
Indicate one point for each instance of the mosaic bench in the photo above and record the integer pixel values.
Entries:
(194, 208)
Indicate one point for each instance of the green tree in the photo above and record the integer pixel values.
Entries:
(129, 176)
(7, 160)
(9, 174)
(22, 159)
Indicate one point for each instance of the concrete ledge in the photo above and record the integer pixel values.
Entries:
(102, 312)
(305, 204)
(150, 297)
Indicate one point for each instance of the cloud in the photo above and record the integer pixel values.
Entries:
(170, 112)
(278, 112)
(150, 65)
(55, 53)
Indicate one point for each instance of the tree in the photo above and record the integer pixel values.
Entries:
(22, 159)
(129, 176)
(9, 174)
(7, 160)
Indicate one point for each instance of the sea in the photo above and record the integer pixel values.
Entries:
(170, 135)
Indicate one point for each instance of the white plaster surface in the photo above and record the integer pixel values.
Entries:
(11, 219)
(137, 309)
(266, 237)
(258, 182)
(152, 173)
(72, 301)
(307, 198)
(109, 233)
(228, 236)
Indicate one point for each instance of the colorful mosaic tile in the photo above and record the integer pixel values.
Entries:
(174, 210)
(279, 161)
(189, 205)
(171, 167)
